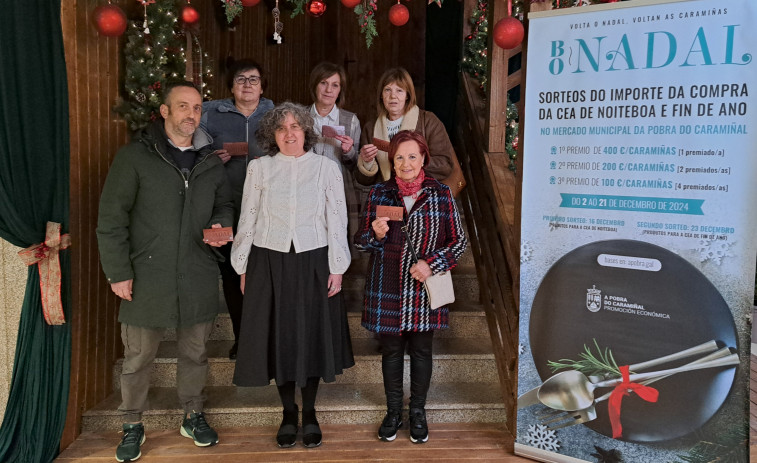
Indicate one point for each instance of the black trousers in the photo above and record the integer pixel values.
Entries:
(419, 347)
(231, 289)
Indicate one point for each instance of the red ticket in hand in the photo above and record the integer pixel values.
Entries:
(211, 235)
(237, 148)
(383, 145)
(393, 212)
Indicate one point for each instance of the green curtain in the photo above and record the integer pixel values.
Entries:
(34, 172)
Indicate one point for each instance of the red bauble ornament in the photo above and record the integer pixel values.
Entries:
(109, 20)
(250, 2)
(351, 3)
(189, 15)
(508, 33)
(315, 8)
(399, 15)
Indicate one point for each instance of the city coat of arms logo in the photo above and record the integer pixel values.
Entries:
(593, 299)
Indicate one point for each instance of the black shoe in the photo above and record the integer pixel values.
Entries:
(418, 426)
(392, 422)
(233, 351)
(311, 431)
(196, 428)
(287, 435)
(132, 440)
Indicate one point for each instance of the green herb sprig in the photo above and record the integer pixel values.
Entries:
(600, 363)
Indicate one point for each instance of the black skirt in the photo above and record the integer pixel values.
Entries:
(291, 330)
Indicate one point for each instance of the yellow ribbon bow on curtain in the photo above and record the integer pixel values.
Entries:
(46, 255)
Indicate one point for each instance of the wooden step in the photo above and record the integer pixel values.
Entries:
(230, 406)
(456, 360)
(449, 442)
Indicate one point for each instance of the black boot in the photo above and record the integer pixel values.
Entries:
(311, 431)
(287, 435)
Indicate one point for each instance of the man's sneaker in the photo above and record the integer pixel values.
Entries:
(418, 426)
(195, 427)
(129, 448)
(392, 422)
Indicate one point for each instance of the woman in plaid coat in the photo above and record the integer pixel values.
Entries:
(396, 304)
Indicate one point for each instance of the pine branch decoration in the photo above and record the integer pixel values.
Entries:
(299, 7)
(600, 364)
(233, 9)
(367, 22)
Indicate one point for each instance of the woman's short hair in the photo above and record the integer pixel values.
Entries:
(401, 78)
(323, 71)
(272, 120)
(244, 65)
(409, 135)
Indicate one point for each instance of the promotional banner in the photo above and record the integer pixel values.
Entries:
(638, 239)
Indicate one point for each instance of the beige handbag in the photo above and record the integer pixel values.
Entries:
(438, 287)
(440, 290)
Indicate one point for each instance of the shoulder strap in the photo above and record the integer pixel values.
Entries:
(409, 241)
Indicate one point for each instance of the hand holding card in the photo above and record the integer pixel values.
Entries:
(332, 131)
(383, 145)
(212, 235)
(393, 212)
(236, 149)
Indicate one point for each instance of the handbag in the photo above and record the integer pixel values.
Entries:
(456, 179)
(438, 287)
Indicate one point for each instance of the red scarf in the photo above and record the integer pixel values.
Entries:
(411, 188)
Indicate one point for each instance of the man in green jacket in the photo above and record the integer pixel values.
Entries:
(162, 190)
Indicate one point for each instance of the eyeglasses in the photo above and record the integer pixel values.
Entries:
(252, 80)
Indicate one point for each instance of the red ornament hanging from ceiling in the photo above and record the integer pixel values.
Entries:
(351, 3)
(189, 15)
(315, 8)
(508, 33)
(109, 20)
(399, 15)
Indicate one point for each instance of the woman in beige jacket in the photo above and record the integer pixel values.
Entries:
(397, 110)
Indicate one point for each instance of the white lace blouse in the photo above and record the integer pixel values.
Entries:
(289, 200)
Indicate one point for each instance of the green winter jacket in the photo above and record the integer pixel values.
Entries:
(150, 226)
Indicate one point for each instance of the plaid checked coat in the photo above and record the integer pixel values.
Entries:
(393, 300)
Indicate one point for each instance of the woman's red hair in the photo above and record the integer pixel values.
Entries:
(409, 135)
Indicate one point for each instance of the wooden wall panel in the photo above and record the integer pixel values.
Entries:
(95, 134)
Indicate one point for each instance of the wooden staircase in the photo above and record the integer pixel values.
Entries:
(464, 387)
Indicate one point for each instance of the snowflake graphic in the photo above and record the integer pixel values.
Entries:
(521, 348)
(526, 251)
(714, 250)
(582, 2)
(542, 438)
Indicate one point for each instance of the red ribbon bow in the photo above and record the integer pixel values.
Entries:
(623, 389)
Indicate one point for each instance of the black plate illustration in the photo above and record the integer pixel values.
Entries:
(561, 324)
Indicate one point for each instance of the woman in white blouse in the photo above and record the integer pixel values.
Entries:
(291, 250)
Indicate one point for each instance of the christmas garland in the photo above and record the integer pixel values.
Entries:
(364, 11)
(474, 62)
(366, 21)
(233, 9)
